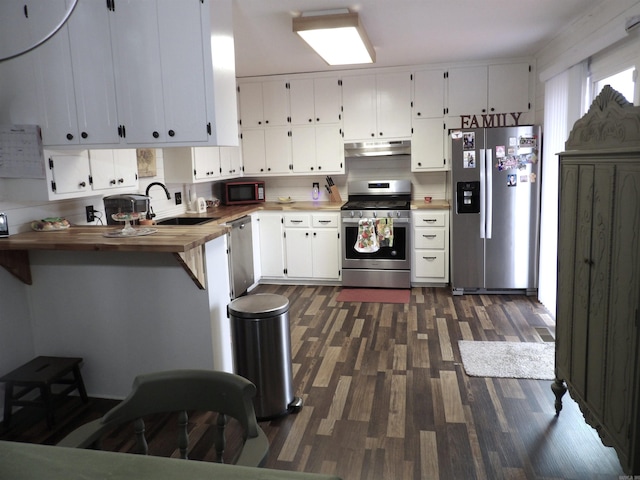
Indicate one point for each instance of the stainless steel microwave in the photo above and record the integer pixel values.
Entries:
(243, 192)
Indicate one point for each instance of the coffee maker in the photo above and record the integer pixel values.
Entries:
(124, 204)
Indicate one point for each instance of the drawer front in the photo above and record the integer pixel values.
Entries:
(429, 263)
(297, 220)
(325, 220)
(430, 219)
(429, 238)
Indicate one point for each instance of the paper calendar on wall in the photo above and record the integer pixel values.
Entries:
(21, 153)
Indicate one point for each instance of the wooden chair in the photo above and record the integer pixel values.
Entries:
(182, 391)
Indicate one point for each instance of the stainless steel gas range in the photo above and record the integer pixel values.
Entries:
(380, 208)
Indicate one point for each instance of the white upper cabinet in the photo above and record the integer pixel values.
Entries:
(428, 145)
(113, 168)
(160, 70)
(467, 90)
(487, 89)
(394, 105)
(75, 81)
(230, 162)
(509, 87)
(264, 104)
(266, 151)
(191, 164)
(428, 93)
(377, 106)
(142, 73)
(317, 149)
(315, 101)
(68, 174)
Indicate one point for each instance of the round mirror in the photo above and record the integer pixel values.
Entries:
(26, 24)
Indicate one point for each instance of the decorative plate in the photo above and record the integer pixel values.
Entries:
(51, 224)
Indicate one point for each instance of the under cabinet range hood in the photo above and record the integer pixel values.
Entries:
(377, 148)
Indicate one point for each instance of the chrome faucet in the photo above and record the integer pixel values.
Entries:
(160, 185)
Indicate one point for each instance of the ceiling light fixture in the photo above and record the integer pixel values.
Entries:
(336, 35)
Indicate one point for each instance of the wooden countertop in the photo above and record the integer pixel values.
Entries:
(168, 238)
(182, 241)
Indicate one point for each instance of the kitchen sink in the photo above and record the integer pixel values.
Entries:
(186, 220)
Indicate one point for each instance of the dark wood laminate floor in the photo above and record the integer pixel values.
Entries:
(386, 396)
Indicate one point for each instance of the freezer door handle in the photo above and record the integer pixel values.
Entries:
(483, 202)
(489, 202)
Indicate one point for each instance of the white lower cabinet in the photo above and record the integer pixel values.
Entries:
(312, 245)
(271, 229)
(300, 246)
(430, 247)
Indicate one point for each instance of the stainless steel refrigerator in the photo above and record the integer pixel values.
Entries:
(495, 222)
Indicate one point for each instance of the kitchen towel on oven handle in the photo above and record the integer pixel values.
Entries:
(384, 230)
(367, 241)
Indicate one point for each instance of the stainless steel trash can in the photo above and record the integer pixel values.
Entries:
(262, 351)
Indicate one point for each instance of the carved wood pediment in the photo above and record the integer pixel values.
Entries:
(611, 122)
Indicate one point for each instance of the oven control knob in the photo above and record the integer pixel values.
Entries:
(375, 214)
(360, 214)
(351, 214)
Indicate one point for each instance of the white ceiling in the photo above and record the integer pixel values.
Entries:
(403, 32)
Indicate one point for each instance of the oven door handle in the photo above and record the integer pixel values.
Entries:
(357, 220)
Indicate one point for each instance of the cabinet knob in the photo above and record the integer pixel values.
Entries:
(310, 120)
(266, 121)
(419, 164)
(259, 122)
(381, 134)
(172, 133)
(82, 184)
(319, 167)
(121, 180)
(69, 136)
(373, 134)
(312, 168)
(155, 134)
(112, 182)
(84, 134)
(268, 169)
(418, 113)
(493, 109)
(317, 119)
(484, 110)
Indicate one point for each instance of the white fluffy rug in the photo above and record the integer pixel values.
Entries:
(508, 359)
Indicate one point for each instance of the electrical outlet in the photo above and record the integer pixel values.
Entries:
(178, 197)
(90, 213)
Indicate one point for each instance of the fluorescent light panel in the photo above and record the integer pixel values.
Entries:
(339, 39)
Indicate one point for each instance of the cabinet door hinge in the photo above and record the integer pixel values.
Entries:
(53, 186)
(529, 68)
(340, 82)
(411, 103)
(287, 85)
(529, 105)
(25, 10)
(90, 180)
(285, 271)
(111, 5)
(50, 163)
(446, 74)
(209, 128)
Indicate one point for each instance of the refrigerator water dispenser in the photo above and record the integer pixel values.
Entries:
(468, 197)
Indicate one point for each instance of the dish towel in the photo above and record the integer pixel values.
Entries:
(384, 229)
(367, 241)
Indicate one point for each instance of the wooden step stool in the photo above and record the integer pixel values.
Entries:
(42, 373)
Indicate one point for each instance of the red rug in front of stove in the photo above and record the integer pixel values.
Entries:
(374, 295)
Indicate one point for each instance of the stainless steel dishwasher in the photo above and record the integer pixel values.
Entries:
(240, 255)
